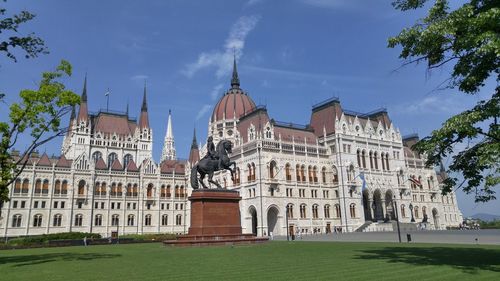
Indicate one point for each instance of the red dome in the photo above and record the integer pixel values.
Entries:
(234, 104)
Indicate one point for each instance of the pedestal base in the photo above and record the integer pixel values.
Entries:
(215, 220)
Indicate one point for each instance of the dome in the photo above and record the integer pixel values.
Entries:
(234, 104)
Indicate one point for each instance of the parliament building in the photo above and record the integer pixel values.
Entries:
(343, 171)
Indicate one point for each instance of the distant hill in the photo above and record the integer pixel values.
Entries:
(486, 217)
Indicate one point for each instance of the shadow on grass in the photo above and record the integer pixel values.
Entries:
(53, 257)
(469, 260)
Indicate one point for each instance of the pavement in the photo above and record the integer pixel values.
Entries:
(483, 237)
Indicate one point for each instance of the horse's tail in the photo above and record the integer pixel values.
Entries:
(194, 177)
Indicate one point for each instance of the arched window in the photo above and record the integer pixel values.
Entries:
(81, 187)
(135, 190)
(164, 220)
(147, 220)
(64, 187)
(297, 172)
(323, 174)
(130, 220)
(403, 211)
(315, 211)
(288, 172)
(38, 186)
(420, 181)
(163, 192)
(126, 159)
(111, 158)
(96, 156)
(37, 220)
(181, 191)
(310, 173)
(98, 220)
(335, 176)
(363, 158)
(57, 220)
(387, 161)
(375, 160)
(303, 211)
(45, 187)
(371, 159)
(303, 173)
(268, 133)
(178, 220)
(237, 178)
(149, 190)
(26, 186)
(176, 191)
(115, 220)
(17, 186)
(382, 160)
(57, 187)
(315, 174)
(289, 209)
(169, 192)
(253, 171)
(352, 209)
(338, 212)
(326, 210)
(78, 220)
(16, 220)
(358, 157)
(417, 214)
(424, 211)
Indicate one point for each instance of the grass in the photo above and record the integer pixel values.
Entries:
(271, 261)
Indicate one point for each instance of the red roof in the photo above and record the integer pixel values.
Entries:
(44, 161)
(170, 166)
(323, 116)
(63, 162)
(110, 123)
(100, 165)
(117, 166)
(132, 167)
(234, 104)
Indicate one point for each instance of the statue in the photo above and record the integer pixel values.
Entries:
(216, 159)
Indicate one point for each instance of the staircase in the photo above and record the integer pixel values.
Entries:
(364, 226)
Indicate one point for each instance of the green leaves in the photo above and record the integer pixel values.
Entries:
(36, 116)
(469, 37)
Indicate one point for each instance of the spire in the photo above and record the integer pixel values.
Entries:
(83, 112)
(126, 109)
(168, 152)
(144, 118)
(194, 153)
(71, 119)
(235, 81)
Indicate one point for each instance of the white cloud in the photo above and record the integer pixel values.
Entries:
(216, 91)
(253, 2)
(432, 105)
(204, 109)
(222, 59)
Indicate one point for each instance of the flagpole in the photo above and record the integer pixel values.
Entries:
(107, 100)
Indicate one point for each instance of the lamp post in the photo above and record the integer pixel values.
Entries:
(374, 207)
(287, 229)
(397, 218)
(411, 211)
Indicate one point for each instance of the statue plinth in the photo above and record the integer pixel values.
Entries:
(215, 220)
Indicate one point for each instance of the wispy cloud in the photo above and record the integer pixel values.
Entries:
(253, 2)
(305, 75)
(221, 59)
(332, 4)
(431, 105)
(204, 109)
(216, 91)
(140, 77)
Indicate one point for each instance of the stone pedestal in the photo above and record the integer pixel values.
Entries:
(215, 220)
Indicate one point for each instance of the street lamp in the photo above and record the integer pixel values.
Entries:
(287, 229)
(374, 207)
(411, 211)
(397, 218)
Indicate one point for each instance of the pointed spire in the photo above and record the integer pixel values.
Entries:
(235, 81)
(194, 152)
(73, 114)
(83, 112)
(168, 152)
(194, 144)
(126, 109)
(144, 118)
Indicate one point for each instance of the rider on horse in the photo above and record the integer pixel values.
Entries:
(211, 152)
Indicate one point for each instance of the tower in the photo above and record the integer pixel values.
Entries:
(194, 152)
(168, 152)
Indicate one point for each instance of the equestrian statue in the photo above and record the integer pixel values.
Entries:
(217, 159)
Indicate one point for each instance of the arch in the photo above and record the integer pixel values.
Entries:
(366, 205)
(25, 187)
(288, 172)
(57, 187)
(297, 172)
(253, 171)
(326, 211)
(389, 204)
(81, 187)
(335, 175)
(57, 221)
(363, 158)
(149, 191)
(164, 220)
(17, 186)
(130, 220)
(377, 205)
(315, 174)
(115, 220)
(352, 210)
(358, 157)
(96, 156)
(272, 220)
(147, 220)
(387, 161)
(17, 220)
(111, 158)
(272, 169)
(375, 160)
(338, 212)
(253, 213)
(303, 213)
(78, 220)
(371, 159)
(303, 173)
(323, 175)
(126, 159)
(314, 210)
(37, 220)
(289, 210)
(38, 186)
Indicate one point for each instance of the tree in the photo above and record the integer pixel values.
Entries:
(468, 39)
(37, 116)
(9, 26)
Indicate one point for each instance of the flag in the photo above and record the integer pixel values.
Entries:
(107, 93)
(362, 177)
(415, 181)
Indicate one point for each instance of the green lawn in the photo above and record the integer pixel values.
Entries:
(271, 261)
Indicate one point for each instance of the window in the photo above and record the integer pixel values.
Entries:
(323, 175)
(115, 220)
(358, 157)
(96, 156)
(327, 211)
(149, 190)
(126, 159)
(288, 172)
(23, 204)
(38, 186)
(111, 158)
(382, 160)
(403, 211)
(57, 220)
(303, 211)
(289, 209)
(62, 204)
(164, 220)
(147, 220)
(14, 204)
(375, 160)
(55, 204)
(17, 186)
(338, 213)
(37, 220)
(363, 158)
(25, 188)
(315, 211)
(352, 209)
(98, 220)
(178, 220)
(335, 175)
(130, 220)
(16, 220)
(81, 187)
(297, 172)
(57, 187)
(272, 169)
(78, 220)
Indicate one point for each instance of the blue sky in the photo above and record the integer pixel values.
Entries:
(291, 55)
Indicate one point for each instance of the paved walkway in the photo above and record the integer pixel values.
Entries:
(487, 236)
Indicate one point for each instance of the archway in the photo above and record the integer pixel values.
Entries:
(435, 218)
(377, 201)
(389, 205)
(253, 214)
(272, 220)
(366, 205)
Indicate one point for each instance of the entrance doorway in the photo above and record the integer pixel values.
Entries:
(272, 221)
(253, 214)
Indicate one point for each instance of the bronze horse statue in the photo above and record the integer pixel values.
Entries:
(207, 166)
